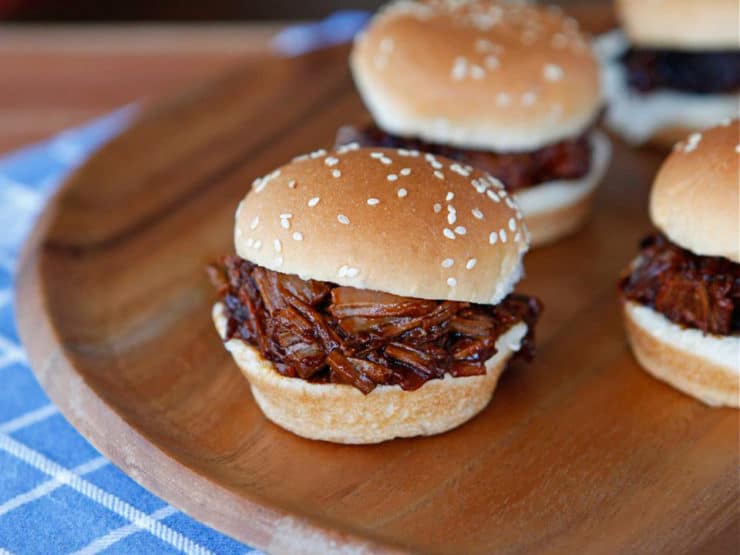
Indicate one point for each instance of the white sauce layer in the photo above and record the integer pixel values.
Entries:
(552, 195)
(722, 350)
(638, 116)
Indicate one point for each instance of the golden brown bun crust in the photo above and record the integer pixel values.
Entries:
(341, 414)
(694, 375)
(695, 197)
(481, 74)
(684, 24)
(387, 220)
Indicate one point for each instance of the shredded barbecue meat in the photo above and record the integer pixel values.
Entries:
(570, 159)
(326, 333)
(694, 291)
(703, 72)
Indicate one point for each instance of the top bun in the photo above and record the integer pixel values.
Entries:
(389, 220)
(696, 193)
(477, 74)
(681, 24)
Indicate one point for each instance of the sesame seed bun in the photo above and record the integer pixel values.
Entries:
(342, 414)
(388, 220)
(695, 199)
(701, 365)
(681, 24)
(555, 209)
(477, 74)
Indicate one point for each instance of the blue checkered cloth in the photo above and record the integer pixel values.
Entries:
(57, 493)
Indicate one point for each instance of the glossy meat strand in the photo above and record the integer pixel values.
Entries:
(694, 291)
(330, 334)
(709, 72)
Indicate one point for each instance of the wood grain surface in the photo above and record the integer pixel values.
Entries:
(579, 452)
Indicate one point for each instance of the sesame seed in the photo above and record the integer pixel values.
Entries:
(373, 201)
(737, 149)
(336, 173)
(258, 244)
(297, 236)
(278, 261)
(331, 161)
(447, 262)
(502, 235)
(552, 72)
(510, 203)
(460, 230)
(512, 224)
(452, 282)
(277, 245)
(406, 171)
(286, 216)
(285, 224)
(342, 271)
(317, 153)
(255, 223)
(477, 214)
(490, 193)
(517, 237)
(450, 196)
(518, 214)
(529, 98)
(477, 72)
(470, 264)
(313, 202)
(437, 207)
(451, 208)
(438, 174)
(343, 219)
(491, 62)
(459, 69)
(386, 161)
(451, 218)
(353, 272)
(392, 177)
(291, 184)
(496, 182)
(402, 192)
(448, 233)
(437, 165)
(376, 155)
(492, 238)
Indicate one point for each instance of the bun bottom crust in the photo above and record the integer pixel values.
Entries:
(555, 209)
(689, 372)
(342, 414)
(546, 228)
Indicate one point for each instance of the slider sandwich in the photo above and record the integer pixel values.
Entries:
(675, 68)
(510, 89)
(370, 296)
(681, 294)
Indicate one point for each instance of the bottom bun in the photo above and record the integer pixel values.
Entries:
(704, 366)
(555, 209)
(342, 414)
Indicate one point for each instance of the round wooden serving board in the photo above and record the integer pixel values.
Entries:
(579, 451)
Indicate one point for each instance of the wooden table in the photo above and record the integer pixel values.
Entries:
(54, 77)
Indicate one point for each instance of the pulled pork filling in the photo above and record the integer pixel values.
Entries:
(694, 291)
(570, 159)
(326, 333)
(713, 72)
